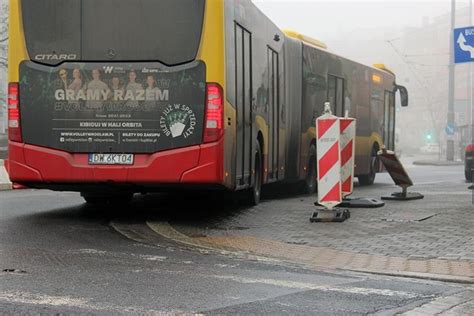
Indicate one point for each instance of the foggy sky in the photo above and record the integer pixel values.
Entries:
(325, 20)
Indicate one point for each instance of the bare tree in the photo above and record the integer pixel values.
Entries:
(3, 33)
(3, 23)
(3, 61)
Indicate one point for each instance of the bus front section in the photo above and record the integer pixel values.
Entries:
(114, 93)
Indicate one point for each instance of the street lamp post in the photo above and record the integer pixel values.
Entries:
(471, 81)
(450, 140)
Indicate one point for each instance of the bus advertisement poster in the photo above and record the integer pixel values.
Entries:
(117, 107)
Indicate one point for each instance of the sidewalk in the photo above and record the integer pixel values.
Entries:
(430, 238)
(438, 163)
(435, 160)
(5, 183)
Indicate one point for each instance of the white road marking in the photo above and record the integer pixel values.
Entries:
(89, 251)
(153, 258)
(70, 302)
(36, 299)
(220, 265)
(324, 288)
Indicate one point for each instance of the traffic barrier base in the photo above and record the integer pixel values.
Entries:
(361, 202)
(335, 215)
(404, 196)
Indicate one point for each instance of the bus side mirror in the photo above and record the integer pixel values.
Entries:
(403, 95)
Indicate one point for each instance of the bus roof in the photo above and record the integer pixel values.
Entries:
(319, 44)
(305, 38)
(384, 68)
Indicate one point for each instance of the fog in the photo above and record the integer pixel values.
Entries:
(328, 20)
(410, 37)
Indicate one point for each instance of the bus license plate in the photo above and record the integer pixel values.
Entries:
(111, 159)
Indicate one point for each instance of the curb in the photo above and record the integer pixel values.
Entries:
(456, 271)
(420, 275)
(5, 183)
(438, 163)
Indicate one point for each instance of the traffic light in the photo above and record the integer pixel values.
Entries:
(429, 137)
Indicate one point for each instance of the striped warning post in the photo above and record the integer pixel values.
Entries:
(395, 168)
(348, 134)
(399, 176)
(329, 161)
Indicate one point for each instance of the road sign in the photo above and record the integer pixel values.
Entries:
(464, 45)
(450, 129)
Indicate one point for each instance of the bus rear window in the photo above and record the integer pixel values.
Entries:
(167, 31)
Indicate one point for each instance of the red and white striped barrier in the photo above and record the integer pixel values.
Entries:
(329, 160)
(348, 134)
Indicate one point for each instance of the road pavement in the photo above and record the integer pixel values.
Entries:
(59, 255)
(3, 146)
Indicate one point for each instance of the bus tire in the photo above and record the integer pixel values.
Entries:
(255, 192)
(310, 183)
(369, 179)
(107, 199)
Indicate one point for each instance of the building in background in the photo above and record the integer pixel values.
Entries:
(3, 64)
(426, 55)
(420, 57)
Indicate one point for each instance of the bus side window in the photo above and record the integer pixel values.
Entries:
(389, 120)
(331, 96)
(335, 94)
(340, 97)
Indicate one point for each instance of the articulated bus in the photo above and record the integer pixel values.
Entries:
(115, 97)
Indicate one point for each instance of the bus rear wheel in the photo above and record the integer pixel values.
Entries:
(369, 179)
(255, 192)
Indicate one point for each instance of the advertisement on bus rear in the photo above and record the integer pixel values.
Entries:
(119, 107)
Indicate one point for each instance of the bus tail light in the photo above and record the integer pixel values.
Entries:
(214, 123)
(14, 127)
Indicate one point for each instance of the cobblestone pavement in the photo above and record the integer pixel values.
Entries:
(433, 235)
(461, 303)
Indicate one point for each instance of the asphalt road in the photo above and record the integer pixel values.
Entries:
(58, 255)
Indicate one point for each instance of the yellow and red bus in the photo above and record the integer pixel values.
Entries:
(113, 97)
